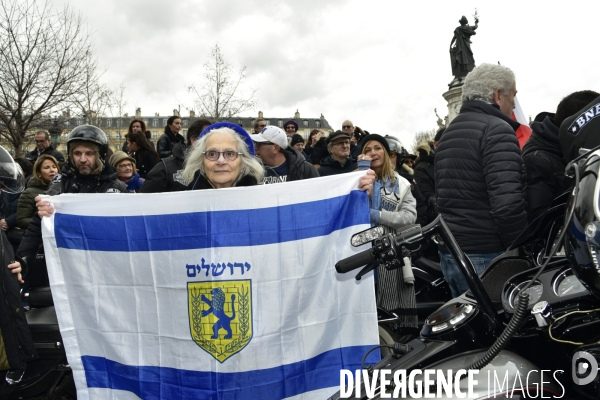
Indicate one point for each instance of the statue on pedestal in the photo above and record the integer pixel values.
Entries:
(461, 55)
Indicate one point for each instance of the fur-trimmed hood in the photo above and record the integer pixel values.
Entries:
(408, 169)
(424, 146)
(425, 151)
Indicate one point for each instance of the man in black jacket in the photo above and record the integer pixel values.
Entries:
(543, 156)
(282, 163)
(339, 160)
(479, 173)
(170, 138)
(167, 175)
(85, 172)
(43, 146)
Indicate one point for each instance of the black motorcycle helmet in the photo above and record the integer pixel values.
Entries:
(11, 174)
(396, 146)
(582, 244)
(89, 133)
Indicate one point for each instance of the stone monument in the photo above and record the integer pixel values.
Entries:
(461, 61)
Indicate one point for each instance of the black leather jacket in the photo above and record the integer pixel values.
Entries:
(167, 175)
(166, 141)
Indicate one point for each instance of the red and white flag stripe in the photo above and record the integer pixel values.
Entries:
(524, 130)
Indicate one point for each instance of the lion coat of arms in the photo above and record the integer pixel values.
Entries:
(220, 314)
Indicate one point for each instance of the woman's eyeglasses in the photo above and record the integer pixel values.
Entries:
(228, 155)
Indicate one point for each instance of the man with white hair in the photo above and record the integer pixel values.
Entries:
(480, 180)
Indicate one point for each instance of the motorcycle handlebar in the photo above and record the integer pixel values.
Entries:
(356, 261)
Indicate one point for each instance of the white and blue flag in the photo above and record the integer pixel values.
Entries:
(214, 294)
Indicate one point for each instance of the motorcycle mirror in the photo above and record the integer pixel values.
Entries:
(366, 236)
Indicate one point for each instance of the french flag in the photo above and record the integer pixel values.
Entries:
(524, 130)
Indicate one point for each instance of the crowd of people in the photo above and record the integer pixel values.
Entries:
(473, 173)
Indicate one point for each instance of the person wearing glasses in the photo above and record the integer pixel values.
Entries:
(127, 171)
(43, 146)
(222, 157)
(283, 163)
(339, 160)
(348, 127)
(291, 127)
(259, 124)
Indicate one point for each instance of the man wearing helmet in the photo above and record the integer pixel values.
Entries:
(85, 172)
(397, 154)
(16, 344)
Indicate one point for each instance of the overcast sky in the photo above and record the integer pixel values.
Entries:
(382, 64)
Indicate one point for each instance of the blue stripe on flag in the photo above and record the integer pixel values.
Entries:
(231, 228)
(281, 382)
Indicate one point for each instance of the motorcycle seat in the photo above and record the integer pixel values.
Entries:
(40, 297)
(42, 319)
(45, 332)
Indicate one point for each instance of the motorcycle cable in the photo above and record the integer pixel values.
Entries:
(565, 316)
(523, 301)
(398, 350)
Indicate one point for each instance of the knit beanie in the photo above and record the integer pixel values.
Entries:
(378, 138)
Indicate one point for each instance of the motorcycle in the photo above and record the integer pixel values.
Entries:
(48, 377)
(431, 292)
(528, 327)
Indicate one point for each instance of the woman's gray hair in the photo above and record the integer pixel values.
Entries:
(195, 158)
(485, 79)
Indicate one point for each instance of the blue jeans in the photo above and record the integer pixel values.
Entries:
(456, 280)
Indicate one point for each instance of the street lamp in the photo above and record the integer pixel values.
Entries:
(55, 132)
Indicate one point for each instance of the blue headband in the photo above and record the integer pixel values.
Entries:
(240, 131)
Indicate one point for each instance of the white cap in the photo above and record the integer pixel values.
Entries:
(272, 134)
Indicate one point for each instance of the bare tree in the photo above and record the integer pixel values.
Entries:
(43, 58)
(94, 99)
(421, 137)
(222, 94)
(118, 103)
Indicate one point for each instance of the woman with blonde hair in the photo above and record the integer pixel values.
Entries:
(44, 169)
(393, 207)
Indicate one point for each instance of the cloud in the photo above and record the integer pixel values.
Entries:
(383, 64)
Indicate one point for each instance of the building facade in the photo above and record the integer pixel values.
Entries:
(116, 127)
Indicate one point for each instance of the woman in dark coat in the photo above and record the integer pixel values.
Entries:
(144, 154)
(44, 169)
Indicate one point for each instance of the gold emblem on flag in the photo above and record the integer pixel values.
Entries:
(220, 315)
